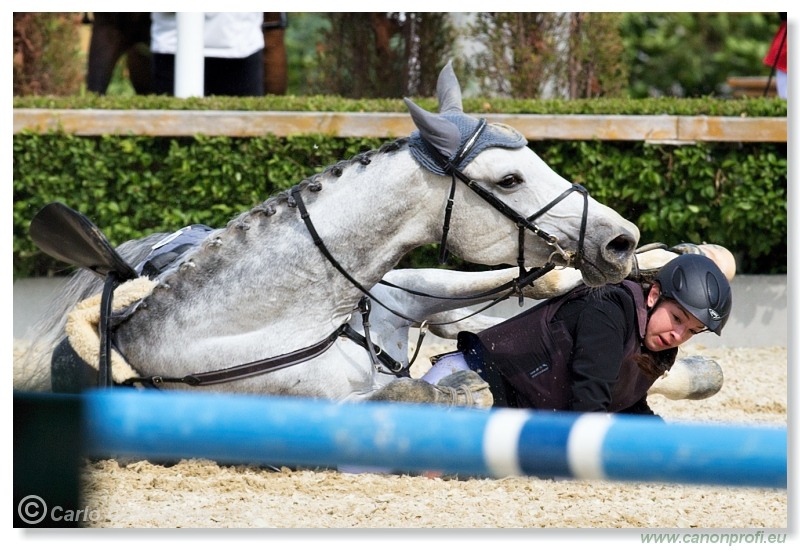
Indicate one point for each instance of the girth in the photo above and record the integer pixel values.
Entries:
(265, 366)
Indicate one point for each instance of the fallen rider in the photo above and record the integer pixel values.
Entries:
(595, 350)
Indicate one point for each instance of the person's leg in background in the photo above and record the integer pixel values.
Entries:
(163, 74)
(235, 77)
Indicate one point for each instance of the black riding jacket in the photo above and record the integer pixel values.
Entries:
(574, 353)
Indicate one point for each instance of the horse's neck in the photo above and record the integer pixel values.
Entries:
(264, 268)
(368, 219)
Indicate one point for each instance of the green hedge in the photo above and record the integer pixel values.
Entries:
(754, 107)
(131, 186)
(730, 194)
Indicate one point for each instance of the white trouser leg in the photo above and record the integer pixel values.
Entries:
(446, 366)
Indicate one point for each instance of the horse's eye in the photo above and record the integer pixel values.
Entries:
(509, 181)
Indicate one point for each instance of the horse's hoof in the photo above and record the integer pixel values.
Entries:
(686, 248)
(694, 377)
(467, 388)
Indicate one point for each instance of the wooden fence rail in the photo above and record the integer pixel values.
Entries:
(657, 128)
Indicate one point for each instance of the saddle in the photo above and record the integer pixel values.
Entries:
(69, 236)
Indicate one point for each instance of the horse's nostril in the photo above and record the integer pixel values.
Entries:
(621, 245)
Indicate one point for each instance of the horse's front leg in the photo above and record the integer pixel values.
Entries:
(460, 288)
(462, 389)
(448, 324)
(440, 289)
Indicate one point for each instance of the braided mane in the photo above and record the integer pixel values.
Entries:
(313, 183)
(209, 248)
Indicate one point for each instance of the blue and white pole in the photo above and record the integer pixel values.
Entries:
(414, 438)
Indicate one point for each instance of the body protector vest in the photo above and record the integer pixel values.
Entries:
(532, 353)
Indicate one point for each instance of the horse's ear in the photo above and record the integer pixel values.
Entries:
(448, 90)
(436, 130)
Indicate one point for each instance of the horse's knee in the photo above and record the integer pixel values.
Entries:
(68, 372)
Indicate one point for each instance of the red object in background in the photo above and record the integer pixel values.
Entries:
(776, 56)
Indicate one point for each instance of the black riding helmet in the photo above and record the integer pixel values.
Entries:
(697, 284)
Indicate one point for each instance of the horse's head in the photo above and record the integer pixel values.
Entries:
(535, 215)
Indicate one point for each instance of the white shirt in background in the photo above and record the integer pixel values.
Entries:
(226, 34)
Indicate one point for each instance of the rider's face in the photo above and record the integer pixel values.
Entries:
(669, 325)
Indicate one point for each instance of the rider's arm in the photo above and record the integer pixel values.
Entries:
(599, 328)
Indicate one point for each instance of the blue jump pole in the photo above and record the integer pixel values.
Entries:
(493, 443)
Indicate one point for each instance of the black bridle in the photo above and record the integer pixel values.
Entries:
(523, 223)
(380, 359)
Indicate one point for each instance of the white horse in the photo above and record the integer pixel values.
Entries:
(286, 277)
(440, 300)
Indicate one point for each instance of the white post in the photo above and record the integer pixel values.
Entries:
(189, 60)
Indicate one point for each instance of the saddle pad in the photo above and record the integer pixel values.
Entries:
(82, 326)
